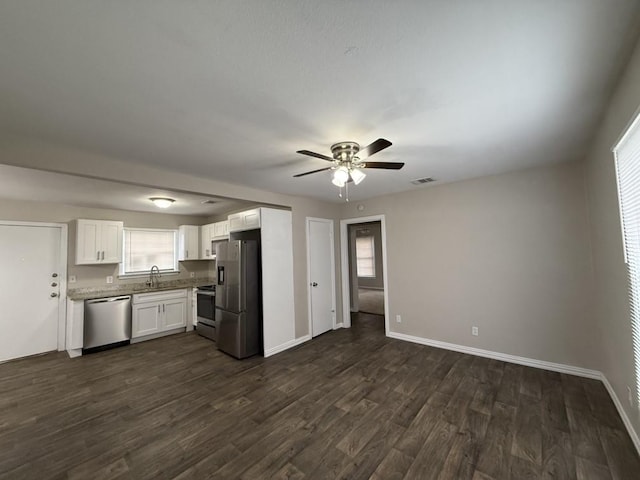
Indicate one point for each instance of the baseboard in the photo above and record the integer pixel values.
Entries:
(74, 352)
(286, 345)
(530, 362)
(625, 419)
(505, 357)
(158, 335)
(339, 325)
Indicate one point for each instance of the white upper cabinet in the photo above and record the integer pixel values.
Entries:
(98, 241)
(221, 230)
(247, 220)
(206, 236)
(188, 242)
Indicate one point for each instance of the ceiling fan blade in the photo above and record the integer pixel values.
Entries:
(314, 154)
(375, 147)
(384, 165)
(312, 171)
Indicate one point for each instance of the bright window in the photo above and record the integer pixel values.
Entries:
(627, 155)
(143, 248)
(365, 255)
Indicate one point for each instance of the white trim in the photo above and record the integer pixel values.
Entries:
(62, 273)
(62, 311)
(339, 325)
(344, 267)
(152, 336)
(75, 352)
(530, 362)
(333, 271)
(635, 118)
(625, 419)
(505, 357)
(287, 345)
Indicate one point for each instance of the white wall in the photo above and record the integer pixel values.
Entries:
(508, 253)
(612, 306)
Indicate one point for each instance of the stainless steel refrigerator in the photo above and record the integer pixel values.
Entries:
(238, 313)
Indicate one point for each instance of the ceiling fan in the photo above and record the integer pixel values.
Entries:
(348, 161)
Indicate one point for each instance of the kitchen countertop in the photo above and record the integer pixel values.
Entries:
(88, 293)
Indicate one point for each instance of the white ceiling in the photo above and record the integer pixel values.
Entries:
(231, 89)
(26, 184)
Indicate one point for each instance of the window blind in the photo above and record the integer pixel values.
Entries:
(627, 159)
(144, 248)
(365, 257)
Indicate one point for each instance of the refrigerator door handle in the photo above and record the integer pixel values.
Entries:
(220, 275)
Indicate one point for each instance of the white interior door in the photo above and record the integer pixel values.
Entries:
(29, 291)
(321, 275)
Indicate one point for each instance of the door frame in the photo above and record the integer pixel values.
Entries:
(333, 272)
(344, 267)
(62, 275)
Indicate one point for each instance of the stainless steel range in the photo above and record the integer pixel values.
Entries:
(206, 312)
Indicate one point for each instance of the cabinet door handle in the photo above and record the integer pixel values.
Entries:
(103, 255)
(98, 255)
(163, 308)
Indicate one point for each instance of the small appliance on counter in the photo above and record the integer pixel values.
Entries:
(206, 304)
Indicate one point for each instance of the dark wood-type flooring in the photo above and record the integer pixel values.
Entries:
(350, 404)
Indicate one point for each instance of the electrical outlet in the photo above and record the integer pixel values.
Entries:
(110, 279)
(398, 319)
(72, 279)
(192, 274)
(474, 331)
(630, 395)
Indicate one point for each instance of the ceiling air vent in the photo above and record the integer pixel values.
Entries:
(209, 202)
(421, 181)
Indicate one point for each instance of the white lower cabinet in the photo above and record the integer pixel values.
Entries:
(175, 313)
(146, 319)
(158, 312)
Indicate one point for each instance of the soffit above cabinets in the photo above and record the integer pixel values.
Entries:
(26, 184)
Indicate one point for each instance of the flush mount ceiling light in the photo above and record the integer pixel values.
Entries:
(162, 202)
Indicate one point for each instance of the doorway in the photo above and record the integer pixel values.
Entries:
(364, 267)
(33, 286)
(321, 276)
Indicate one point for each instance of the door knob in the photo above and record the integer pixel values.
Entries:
(314, 284)
(54, 294)
(54, 284)
(54, 275)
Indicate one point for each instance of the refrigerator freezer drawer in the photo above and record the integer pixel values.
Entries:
(235, 335)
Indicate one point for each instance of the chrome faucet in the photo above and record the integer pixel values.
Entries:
(154, 276)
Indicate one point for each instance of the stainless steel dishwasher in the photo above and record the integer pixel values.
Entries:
(107, 322)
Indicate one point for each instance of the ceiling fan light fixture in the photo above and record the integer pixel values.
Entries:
(357, 175)
(340, 176)
(162, 202)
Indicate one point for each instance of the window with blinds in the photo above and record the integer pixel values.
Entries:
(627, 158)
(143, 248)
(365, 256)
